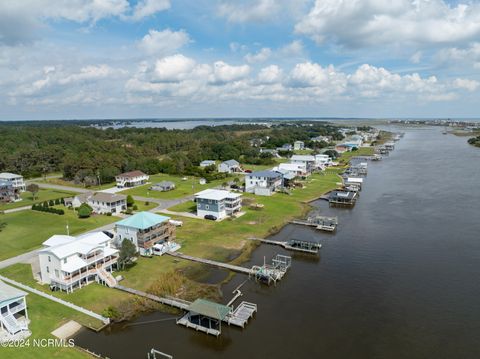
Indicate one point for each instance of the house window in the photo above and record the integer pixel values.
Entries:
(56, 273)
(48, 270)
(207, 207)
(65, 260)
(49, 259)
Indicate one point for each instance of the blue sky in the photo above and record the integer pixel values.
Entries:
(242, 58)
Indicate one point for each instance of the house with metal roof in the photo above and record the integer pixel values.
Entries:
(163, 186)
(8, 192)
(307, 160)
(263, 183)
(230, 166)
(68, 263)
(15, 180)
(13, 314)
(131, 179)
(218, 203)
(149, 232)
(207, 163)
(101, 202)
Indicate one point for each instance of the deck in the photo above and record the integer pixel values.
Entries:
(231, 267)
(293, 245)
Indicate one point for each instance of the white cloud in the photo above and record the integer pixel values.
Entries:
(293, 49)
(470, 85)
(163, 42)
(469, 55)
(223, 72)
(248, 11)
(270, 74)
(173, 68)
(146, 8)
(376, 22)
(416, 57)
(261, 56)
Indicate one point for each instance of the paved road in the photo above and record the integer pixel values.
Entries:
(22, 258)
(18, 209)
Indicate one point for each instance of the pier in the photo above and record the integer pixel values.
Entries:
(322, 223)
(293, 245)
(231, 267)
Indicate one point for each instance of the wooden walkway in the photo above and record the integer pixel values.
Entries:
(311, 248)
(172, 302)
(231, 267)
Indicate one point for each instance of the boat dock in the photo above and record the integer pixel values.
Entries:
(322, 223)
(172, 302)
(231, 267)
(293, 245)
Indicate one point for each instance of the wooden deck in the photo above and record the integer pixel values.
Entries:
(311, 247)
(231, 267)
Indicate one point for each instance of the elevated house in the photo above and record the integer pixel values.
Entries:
(149, 232)
(307, 160)
(163, 186)
(298, 145)
(8, 193)
(68, 263)
(300, 169)
(230, 166)
(207, 163)
(15, 180)
(285, 148)
(131, 179)
(322, 161)
(13, 314)
(321, 139)
(263, 183)
(218, 203)
(101, 202)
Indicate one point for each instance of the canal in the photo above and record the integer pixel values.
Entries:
(399, 279)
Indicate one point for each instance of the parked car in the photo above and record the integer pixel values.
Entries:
(248, 171)
(210, 217)
(234, 186)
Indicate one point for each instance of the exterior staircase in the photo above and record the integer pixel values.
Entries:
(11, 324)
(107, 277)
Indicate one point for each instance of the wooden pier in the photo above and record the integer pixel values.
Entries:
(321, 223)
(293, 245)
(231, 267)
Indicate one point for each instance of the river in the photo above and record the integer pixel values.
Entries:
(399, 279)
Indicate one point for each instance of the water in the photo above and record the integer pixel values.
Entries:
(399, 279)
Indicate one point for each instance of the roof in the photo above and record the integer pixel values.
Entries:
(216, 194)
(8, 175)
(8, 292)
(355, 180)
(291, 166)
(266, 173)
(165, 184)
(208, 162)
(58, 239)
(73, 264)
(142, 220)
(342, 194)
(231, 163)
(302, 158)
(81, 245)
(209, 309)
(132, 174)
(107, 197)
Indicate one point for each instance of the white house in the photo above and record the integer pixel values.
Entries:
(298, 145)
(322, 160)
(230, 166)
(8, 193)
(15, 180)
(207, 163)
(263, 183)
(321, 139)
(149, 232)
(68, 263)
(218, 203)
(307, 160)
(299, 169)
(101, 202)
(13, 314)
(131, 179)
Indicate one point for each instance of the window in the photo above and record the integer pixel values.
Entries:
(56, 273)
(49, 259)
(65, 260)
(207, 207)
(48, 270)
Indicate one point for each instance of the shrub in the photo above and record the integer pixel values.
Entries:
(51, 203)
(135, 207)
(130, 201)
(84, 211)
(129, 211)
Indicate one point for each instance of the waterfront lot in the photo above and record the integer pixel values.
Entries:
(41, 196)
(27, 230)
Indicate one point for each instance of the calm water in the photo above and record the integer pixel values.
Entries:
(400, 278)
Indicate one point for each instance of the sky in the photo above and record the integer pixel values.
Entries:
(74, 59)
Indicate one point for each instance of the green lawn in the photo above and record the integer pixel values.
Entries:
(62, 182)
(183, 187)
(362, 151)
(254, 168)
(42, 195)
(27, 230)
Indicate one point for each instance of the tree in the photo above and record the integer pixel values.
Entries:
(2, 226)
(224, 184)
(33, 189)
(84, 211)
(130, 201)
(236, 180)
(127, 252)
(331, 153)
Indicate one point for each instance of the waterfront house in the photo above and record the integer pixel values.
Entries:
(298, 145)
(68, 263)
(307, 160)
(263, 183)
(300, 169)
(230, 166)
(288, 177)
(163, 186)
(341, 148)
(322, 160)
(285, 148)
(13, 314)
(15, 180)
(101, 202)
(131, 179)
(207, 163)
(149, 232)
(218, 203)
(8, 193)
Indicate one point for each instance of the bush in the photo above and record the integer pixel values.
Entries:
(147, 203)
(57, 201)
(45, 204)
(41, 208)
(135, 207)
(84, 211)
(51, 203)
(109, 214)
(130, 201)
(129, 211)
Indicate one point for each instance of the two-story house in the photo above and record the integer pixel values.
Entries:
(149, 232)
(307, 160)
(298, 145)
(263, 183)
(218, 203)
(68, 263)
(131, 179)
(230, 166)
(15, 180)
(101, 202)
(13, 314)
(8, 193)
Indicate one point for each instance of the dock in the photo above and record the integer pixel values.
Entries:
(231, 267)
(297, 245)
(321, 223)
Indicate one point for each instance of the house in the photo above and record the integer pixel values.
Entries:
(271, 151)
(288, 177)
(13, 314)
(219, 203)
(322, 160)
(15, 180)
(298, 145)
(68, 263)
(163, 186)
(207, 163)
(307, 160)
(230, 166)
(8, 193)
(131, 179)
(300, 169)
(341, 148)
(321, 139)
(285, 148)
(101, 202)
(263, 183)
(149, 232)
(202, 181)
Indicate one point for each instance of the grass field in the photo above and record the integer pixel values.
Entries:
(183, 187)
(362, 151)
(42, 195)
(27, 230)
(62, 182)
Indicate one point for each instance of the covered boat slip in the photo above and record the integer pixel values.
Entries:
(322, 223)
(342, 198)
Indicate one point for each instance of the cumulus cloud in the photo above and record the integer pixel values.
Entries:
(470, 85)
(248, 11)
(163, 42)
(223, 72)
(374, 22)
(146, 8)
(469, 55)
(270, 74)
(173, 68)
(260, 56)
